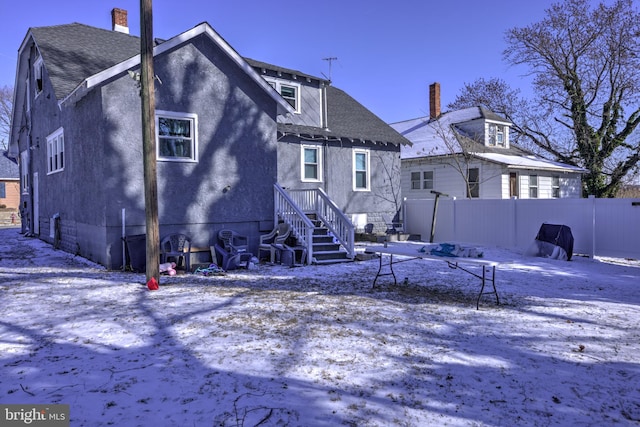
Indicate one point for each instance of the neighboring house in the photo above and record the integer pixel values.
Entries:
(468, 153)
(223, 148)
(9, 184)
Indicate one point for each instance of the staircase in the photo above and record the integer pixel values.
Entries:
(317, 224)
(325, 248)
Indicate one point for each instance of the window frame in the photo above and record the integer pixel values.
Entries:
(534, 186)
(277, 85)
(426, 180)
(415, 180)
(473, 187)
(24, 172)
(188, 117)
(55, 152)
(318, 164)
(555, 186)
(38, 71)
(356, 171)
(494, 131)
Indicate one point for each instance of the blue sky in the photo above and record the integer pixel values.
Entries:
(388, 52)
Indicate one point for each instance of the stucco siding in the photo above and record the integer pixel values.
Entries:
(337, 175)
(229, 186)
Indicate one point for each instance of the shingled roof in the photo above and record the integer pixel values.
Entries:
(348, 119)
(8, 168)
(73, 52)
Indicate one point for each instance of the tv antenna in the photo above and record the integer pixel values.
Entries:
(330, 60)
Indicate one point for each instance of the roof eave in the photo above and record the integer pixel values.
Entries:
(283, 106)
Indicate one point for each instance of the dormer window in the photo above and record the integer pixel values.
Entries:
(290, 94)
(289, 91)
(497, 135)
(37, 76)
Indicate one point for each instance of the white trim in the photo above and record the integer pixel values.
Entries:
(24, 172)
(193, 118)
(55, 152)
(368, 170)
(38, 68)
(318, 149)
(277, 85)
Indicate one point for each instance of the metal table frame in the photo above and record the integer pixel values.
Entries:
(488, 269)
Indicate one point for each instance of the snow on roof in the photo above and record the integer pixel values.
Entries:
(528, 162)
(427, 135)
(439, 137)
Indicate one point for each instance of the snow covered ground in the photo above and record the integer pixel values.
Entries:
(318, 346)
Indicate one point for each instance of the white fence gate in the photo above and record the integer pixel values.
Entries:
(600, 227)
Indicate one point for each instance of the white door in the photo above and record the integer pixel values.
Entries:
(36, 206)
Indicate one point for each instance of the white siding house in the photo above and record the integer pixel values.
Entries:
(468, 154)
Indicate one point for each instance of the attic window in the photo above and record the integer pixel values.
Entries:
(290, 94)
(496, 135)
(37, 76)
(289, 91)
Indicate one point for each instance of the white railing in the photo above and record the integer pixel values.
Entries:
(301, 226)
(317, 202)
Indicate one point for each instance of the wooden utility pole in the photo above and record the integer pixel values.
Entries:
(149, 140)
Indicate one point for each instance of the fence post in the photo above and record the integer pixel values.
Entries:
(514, 218)
(593, 226)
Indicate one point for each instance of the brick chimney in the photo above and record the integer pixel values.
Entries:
(119, 20)
(434, 100)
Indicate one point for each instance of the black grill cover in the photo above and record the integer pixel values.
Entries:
(559, 235)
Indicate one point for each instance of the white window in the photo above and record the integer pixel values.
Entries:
(311, 163)
(176, 136)
(427, 180)
(415, 180)
(533, 186)
(289, 91)
(473, 183)
(361, 179)
(290, 94)
(24, 172)
(496, 135)
(55, 152)
(28, 97)
(555, 187)
(37, 76)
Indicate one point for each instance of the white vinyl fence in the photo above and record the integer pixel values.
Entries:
(600, 227)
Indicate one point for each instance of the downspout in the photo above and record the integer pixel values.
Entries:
(325, 126)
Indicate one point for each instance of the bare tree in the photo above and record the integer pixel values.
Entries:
(391, 191)
(586, 67)
(459, 154)
(6, 105)
(496, 95)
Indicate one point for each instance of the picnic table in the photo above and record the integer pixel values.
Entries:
(409, 251)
